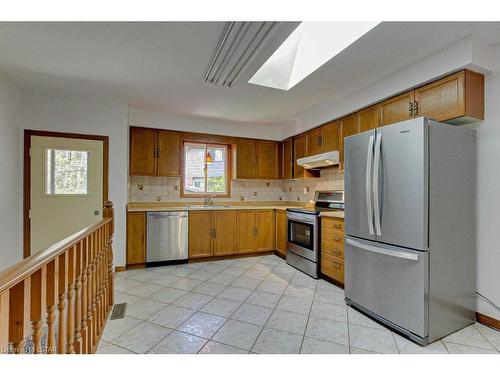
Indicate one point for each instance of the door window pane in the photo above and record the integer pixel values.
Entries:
(66, 172)
(216, 171)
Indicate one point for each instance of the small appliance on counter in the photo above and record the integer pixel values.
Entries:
(410, 226)
(303, 228)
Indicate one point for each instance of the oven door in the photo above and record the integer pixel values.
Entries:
(303, 235)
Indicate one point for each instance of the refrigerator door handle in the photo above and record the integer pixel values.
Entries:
(376, 172)
(368, 179)
(380, 250)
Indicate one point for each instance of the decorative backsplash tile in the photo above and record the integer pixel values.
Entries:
(150, 189)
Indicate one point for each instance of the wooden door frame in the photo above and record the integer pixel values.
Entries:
(27, 174)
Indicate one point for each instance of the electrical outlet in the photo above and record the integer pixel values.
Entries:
(306, 190)
(242, 198)
(176, 187)
(254, 193)
(268, 184)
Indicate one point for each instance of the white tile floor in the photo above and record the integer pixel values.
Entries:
(255, 305)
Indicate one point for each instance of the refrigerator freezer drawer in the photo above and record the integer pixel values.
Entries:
(389, 281)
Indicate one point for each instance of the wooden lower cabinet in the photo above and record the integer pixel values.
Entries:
(265, 234)
(281, 232)
(332, 248)
(255, 231)
(136, 238)
(224, 225)
(200, 234)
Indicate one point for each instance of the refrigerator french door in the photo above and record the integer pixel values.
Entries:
(386, 185)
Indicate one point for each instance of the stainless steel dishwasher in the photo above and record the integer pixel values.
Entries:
(167, 239)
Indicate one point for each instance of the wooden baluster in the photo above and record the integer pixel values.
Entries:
(63, 303)
(38, 303)
(4, 322)
(78, 299)
(94, 294)
(104, 276)
(109, 214)
(51, 301)
(90, 296)
(98, 282)
(19, 312)
(71, 299)
(83, 324)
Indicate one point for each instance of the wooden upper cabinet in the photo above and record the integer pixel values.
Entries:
(224, 224)
(348, 126)
(281, 232)
(265, 230)
(313, 140)
(136, 238)
(398, 108)
(142, 152)
(245, 158)
(451, 98)
(245, 231)
(330, 137)
(287, 169)
(267, 160)
(299, 151)
(169, 148)
(368, 118)
(200, 234)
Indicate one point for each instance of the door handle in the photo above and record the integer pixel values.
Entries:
(368, 178)
(376, 172)
(379, 250)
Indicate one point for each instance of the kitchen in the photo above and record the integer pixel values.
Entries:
(338, 213)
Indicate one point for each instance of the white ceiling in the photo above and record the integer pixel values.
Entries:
(161, 65)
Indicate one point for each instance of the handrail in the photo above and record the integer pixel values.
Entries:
(19, 271)
(72, 282)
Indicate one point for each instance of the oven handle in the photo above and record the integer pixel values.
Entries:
(300, 218)
(380, 250)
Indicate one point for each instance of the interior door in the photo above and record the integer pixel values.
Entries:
(66, 188)
(400, 184)
(358, 186)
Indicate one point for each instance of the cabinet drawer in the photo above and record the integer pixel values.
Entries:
(333, 267)
(332, 235)
(332, 223)
(333, 248)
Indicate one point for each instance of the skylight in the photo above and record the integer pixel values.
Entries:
(307, 48)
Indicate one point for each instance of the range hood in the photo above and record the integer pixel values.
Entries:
(327, 159)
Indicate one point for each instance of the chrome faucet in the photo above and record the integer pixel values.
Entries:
(209, 201)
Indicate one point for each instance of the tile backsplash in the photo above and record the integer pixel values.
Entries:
(150, 189)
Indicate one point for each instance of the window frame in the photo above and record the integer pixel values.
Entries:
(228, 164)
(45, 171)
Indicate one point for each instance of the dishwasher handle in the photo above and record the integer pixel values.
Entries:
(168, 215)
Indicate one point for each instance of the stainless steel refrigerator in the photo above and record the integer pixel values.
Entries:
(410, 197)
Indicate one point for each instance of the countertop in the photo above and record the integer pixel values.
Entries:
(197, 206)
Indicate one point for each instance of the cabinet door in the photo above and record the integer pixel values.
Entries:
(245, 158)
(348, 126)
(442, 100)
(287, 159)
(169, 147)
(368, 118)
(136, 237)
(265, 233)
(224, 224)
(267, 159)
(200, 234)
(281, 232)
(396, 109)
(299, 151)
(313, 139)
(330, 137)
(245, 231)
(142, 158)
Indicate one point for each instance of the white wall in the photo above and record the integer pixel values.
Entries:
(89, 116)
(173, 121)
(11, 180)
(488, 196)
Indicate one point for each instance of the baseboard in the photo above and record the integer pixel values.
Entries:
(120, 268)
(231, 256)
(331, 280)
(488, 321)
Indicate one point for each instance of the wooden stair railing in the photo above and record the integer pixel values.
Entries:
(63, 293)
